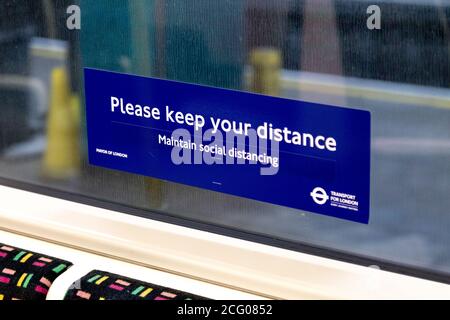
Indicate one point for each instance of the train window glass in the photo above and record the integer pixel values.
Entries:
(389, 57)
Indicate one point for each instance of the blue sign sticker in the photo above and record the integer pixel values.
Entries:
(297, 154)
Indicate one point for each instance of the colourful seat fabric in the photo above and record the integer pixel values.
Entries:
(26, 275)
(101, 285)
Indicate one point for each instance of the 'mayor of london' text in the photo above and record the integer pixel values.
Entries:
(264, 131)
(111, 153)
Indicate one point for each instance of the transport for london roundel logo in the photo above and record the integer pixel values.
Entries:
(319, 196)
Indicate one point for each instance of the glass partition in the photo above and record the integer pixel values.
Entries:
(389, 57)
